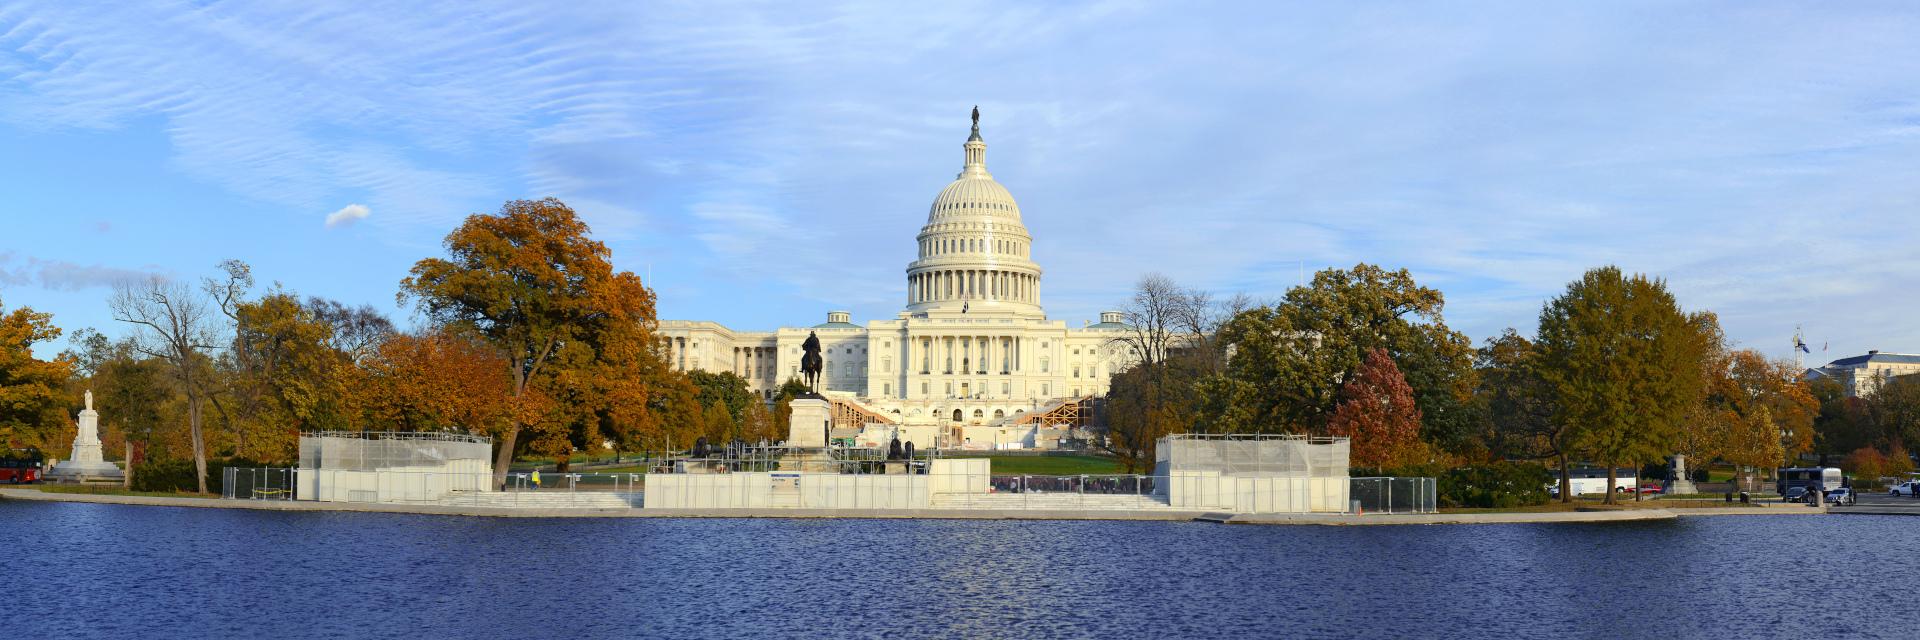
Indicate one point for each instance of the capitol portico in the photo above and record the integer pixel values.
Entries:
(973, 345)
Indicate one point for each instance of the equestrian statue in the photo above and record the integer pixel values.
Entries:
(811, 363)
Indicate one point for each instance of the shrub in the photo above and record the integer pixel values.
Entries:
(177, 475)
(1495, 485)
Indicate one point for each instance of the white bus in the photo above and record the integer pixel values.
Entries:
(1594, 481)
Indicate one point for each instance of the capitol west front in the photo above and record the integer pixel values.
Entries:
(973, 346)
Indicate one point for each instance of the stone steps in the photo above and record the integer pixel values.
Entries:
(1048, 501)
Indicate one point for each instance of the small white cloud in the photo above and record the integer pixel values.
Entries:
(347, 215)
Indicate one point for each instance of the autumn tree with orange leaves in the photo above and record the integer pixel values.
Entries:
(530, 284)
(434, 381)
(1377, 412)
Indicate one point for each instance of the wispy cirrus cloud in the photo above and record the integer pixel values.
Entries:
(1757, 157)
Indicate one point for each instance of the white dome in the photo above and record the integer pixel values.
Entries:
(974, 253)
(974, 196)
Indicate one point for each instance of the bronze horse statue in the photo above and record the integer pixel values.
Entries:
(811, 364)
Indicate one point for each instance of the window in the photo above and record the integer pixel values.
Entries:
(1005, 389)
(886, 365)
(949, 389)
(849, 369)
(923, 389)
(978, 414)
(1043, 364)
(998, 414)
(1076, 371)
(886, 390)
(1046, 389)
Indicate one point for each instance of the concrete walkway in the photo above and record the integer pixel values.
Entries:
(1625, 515)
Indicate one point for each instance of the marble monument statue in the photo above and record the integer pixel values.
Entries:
(87, 462)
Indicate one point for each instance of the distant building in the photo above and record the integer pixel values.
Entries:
(973, 346)
(1861, 375)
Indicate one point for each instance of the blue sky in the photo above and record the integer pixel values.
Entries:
(763, 163)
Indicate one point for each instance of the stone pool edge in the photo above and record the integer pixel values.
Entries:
(948, 514)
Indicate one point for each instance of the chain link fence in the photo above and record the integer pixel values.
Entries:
(1393, 495)
(257, 483)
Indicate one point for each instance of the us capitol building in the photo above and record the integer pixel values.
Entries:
(972, 348)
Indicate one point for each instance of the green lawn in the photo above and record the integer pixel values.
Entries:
(1052, 465)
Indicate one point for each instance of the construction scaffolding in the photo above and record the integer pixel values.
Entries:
(361, 466)
(1072, 412)
(852, 414)
(1253, 473)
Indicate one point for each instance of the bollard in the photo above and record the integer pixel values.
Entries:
(1355, 507)
(1729, 496)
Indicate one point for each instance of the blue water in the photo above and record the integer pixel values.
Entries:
(82, 570)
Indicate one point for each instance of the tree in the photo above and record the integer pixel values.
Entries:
(32, 406)
(1895, 409)
(1623, 363)
(436, 381)
(1845, 423)
(720, 427)
(532, 285)
(725, 388)
(175, 324)
(1378, 414)
(1167, 334)
(287, 376)
(1290, 360)
(759, 426)
(132, 394)
(1519, 406)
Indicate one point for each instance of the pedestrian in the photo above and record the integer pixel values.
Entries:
(536, 479)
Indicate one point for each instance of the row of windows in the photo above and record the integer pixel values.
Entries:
(955, 206)
(971, 245)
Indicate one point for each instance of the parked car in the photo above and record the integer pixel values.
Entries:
(1840, 496)
(1649, 488)
(1905, 488)
(1795, 494)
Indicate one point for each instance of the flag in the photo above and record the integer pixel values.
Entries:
(1801, 346)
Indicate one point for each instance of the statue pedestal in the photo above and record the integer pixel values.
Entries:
(1681, 483)
(812, 419)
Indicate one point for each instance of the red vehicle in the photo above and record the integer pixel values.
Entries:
(20, 466)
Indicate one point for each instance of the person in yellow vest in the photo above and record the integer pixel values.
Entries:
(536, 478)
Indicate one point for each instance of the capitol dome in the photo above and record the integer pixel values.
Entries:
(975, 255)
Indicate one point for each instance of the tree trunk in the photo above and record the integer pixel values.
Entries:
(1566, 480)
(1613, 481)
(504, 460)
(199, 442)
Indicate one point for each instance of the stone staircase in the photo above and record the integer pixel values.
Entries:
(549, 499)
(1048, 501)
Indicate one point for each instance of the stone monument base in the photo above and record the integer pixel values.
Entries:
(811, 420)
(78, 472)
